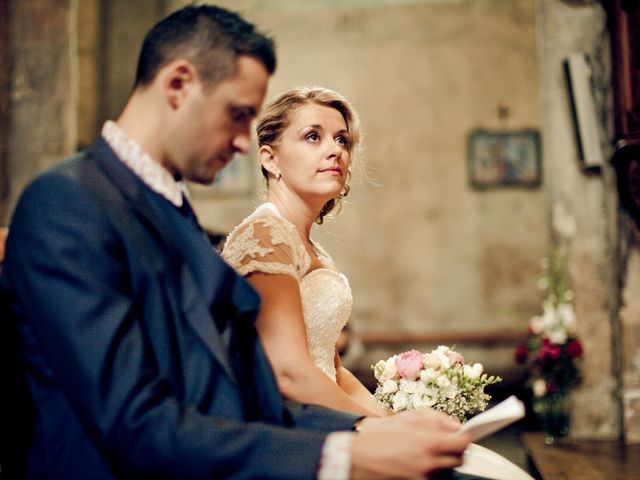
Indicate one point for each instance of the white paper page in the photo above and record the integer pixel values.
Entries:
(494, 419)
(482, 462)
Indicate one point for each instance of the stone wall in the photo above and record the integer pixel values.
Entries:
(42, 103)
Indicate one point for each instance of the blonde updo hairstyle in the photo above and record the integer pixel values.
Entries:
(275, 119)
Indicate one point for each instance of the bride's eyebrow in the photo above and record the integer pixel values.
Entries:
(309, 127)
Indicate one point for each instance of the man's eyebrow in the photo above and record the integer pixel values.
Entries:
(251, 111)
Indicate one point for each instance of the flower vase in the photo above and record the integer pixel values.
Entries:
(553, 410)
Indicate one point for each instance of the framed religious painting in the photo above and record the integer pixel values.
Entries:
(504, 159)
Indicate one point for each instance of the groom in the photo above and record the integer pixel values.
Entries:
(137, 339)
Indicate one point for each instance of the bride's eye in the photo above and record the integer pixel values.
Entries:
(312, 136)
(343, 140)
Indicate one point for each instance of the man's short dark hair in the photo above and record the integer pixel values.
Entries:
(209, 37)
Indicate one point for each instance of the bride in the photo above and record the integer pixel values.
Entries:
(306, 139)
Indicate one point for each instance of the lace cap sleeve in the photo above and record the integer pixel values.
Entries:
(266, 244)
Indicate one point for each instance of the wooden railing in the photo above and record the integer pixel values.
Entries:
(484, 338)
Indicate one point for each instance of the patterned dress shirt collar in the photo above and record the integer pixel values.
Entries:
(140, 162)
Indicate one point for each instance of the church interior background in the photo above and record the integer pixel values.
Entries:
(436, 249)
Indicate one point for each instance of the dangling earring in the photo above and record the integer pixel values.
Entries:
(345, 191)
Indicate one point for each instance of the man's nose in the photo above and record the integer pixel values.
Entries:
(242, 143)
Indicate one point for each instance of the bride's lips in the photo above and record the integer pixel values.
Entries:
(332, 170)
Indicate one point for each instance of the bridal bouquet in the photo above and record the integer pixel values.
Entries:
(439, 380)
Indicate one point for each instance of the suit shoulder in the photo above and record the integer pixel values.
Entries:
(69, 175)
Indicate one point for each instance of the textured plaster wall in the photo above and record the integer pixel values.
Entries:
(423, 251)
(591, 200)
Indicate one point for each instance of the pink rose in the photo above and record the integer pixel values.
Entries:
(409, 364)
(455, 357)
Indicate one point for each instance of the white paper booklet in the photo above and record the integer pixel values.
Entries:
(494, 419)
(482, 462)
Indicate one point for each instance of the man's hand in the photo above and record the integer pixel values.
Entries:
(408, 445)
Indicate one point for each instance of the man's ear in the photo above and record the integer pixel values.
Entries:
(268, 160)
(178, 80)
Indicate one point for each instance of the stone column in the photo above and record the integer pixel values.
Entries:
(42, 88)
(566, 27)
(4, 108)
(630, 339)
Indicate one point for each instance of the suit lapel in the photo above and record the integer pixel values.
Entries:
(193, 301)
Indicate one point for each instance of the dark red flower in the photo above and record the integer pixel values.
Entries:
(574, 349)
(521, 353)
(549, 351)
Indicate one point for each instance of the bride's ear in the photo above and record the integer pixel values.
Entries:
(268, 160)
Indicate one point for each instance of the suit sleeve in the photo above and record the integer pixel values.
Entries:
(67, 276)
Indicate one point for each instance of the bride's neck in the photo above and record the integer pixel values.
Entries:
(295, 210)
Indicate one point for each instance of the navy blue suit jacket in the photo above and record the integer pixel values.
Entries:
(124, 314)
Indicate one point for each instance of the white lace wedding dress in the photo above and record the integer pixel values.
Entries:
(267, 242)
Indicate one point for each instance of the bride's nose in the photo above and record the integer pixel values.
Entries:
(334, 151)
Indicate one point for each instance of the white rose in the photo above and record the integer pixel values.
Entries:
(568, 316)
(443, 381)
(400, 401)
(536, 325)
(379, 369)
(449, 392)
(408, 386)
(428, 375)
(430, 361)
(539, 388)
(473, 371)
(389, 386)
(443, 359)
(424, 397)
(558, 336)
(391, 370)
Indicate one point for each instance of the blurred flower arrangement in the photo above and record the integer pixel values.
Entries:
(439, 380)
(551, 349)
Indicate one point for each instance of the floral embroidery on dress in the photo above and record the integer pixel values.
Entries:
(266, 242)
